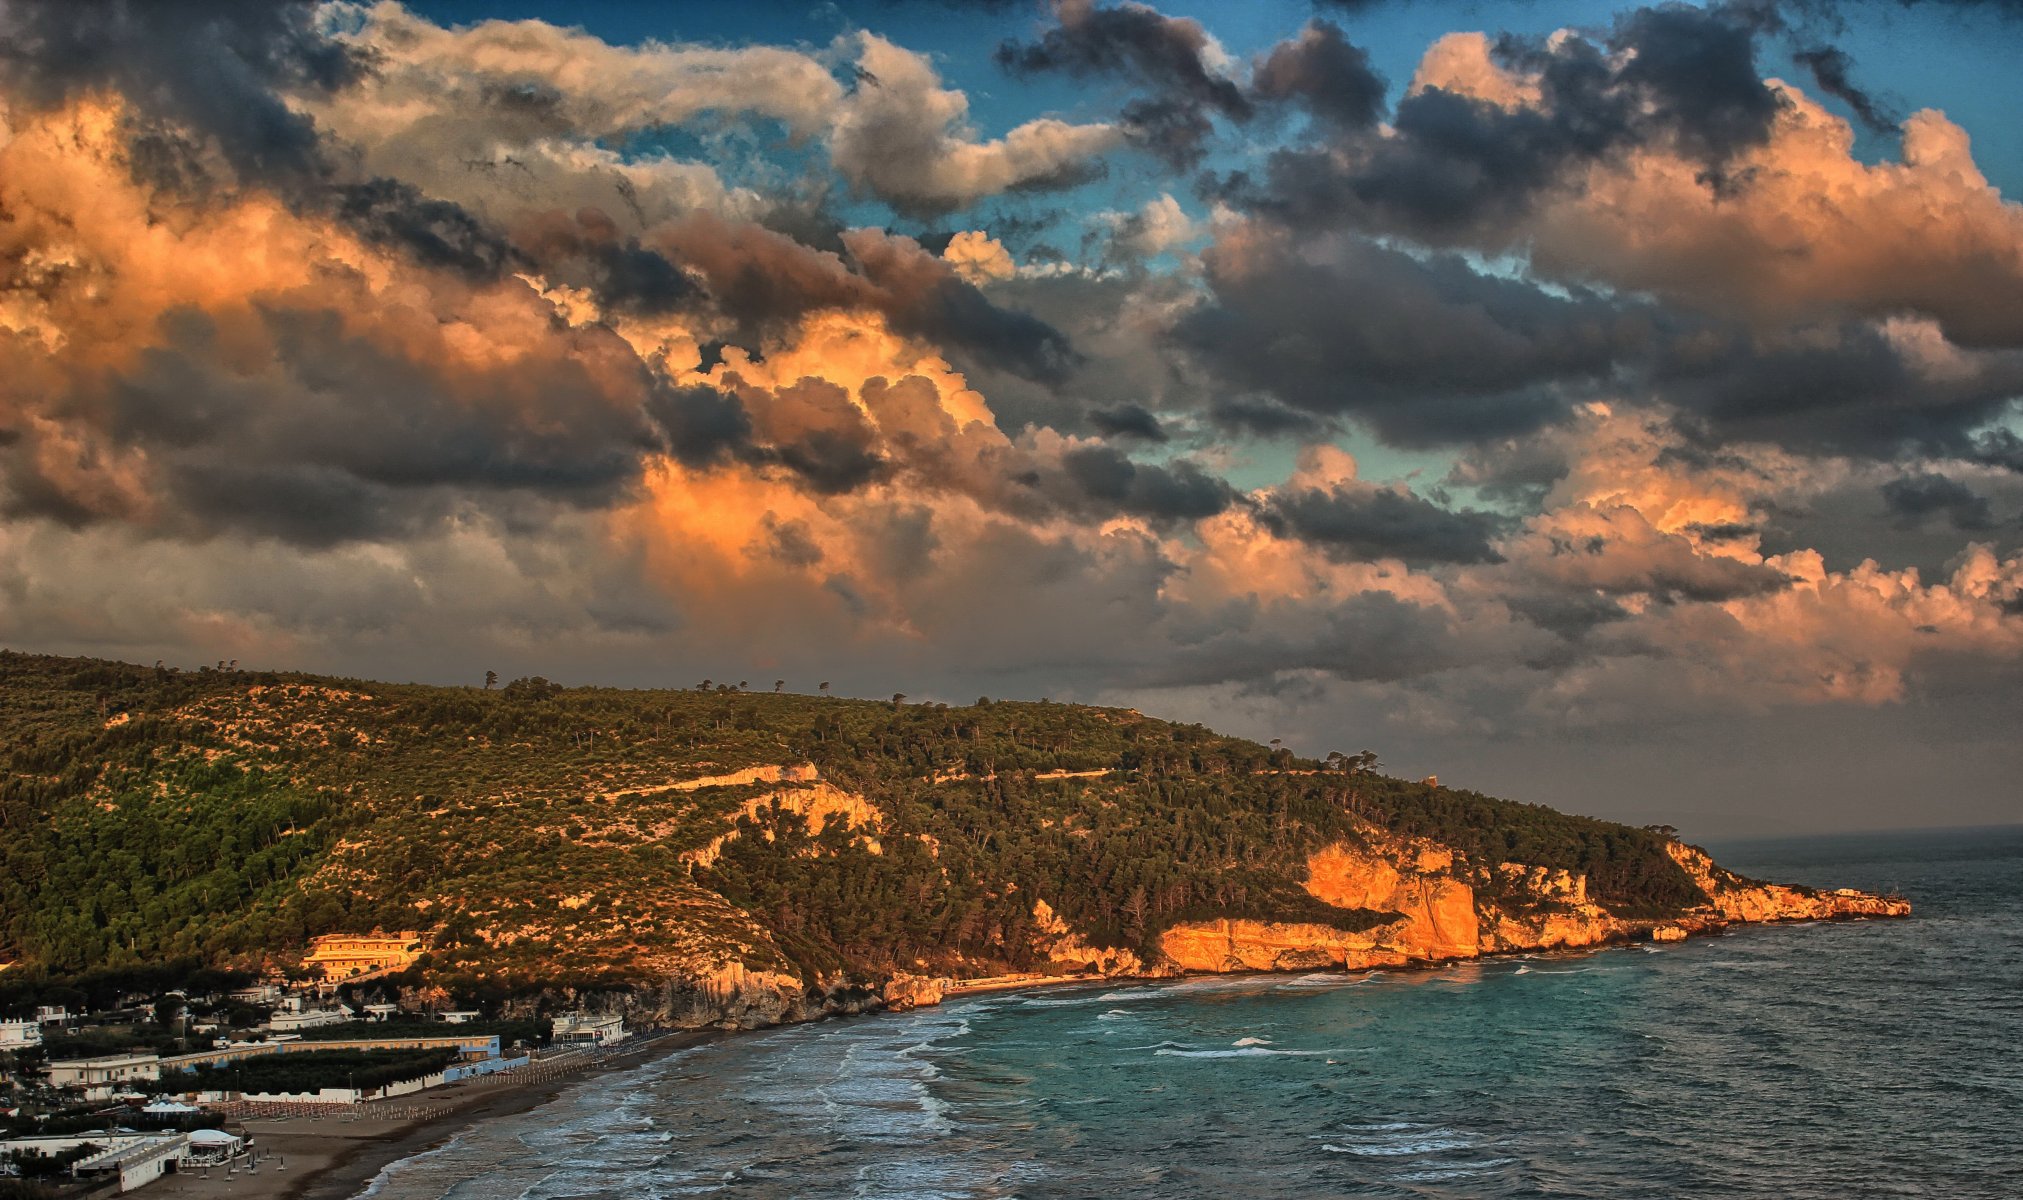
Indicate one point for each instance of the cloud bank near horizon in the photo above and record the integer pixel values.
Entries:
(334, 337)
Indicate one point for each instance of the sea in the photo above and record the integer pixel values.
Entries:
(1829, 1061)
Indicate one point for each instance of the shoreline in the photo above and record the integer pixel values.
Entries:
(335, 1158)
(351, 1171)
(343, 1158)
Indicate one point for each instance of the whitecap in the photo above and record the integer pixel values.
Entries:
(1251, 1041)
(1245, 1052)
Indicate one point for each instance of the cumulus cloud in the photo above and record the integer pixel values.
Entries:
(903, 137)
(1423, 349)
(431, 355)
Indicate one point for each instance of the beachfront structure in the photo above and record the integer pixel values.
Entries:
(19, 1035)
(380, 1012)
(137, 1159)
(586, 1029)
(458, 1016)
(99, 1077)
(341, 956)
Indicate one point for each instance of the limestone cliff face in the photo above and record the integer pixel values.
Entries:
(1446, 909)
(1733, 898)
(1216, 946)
(1413, 879)
(811, 797)
(1069, 951)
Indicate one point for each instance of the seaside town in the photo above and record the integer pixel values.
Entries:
(107, 1088)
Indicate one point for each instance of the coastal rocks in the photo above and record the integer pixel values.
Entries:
(1569, 928)
(912, 991)
(1063, 947)
(1237, 945)
(1668, 933)
(1438, 911)
(1737, 899)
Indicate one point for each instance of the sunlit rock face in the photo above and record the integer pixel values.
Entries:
(1441, 915)
(1414, 880)
(1216, 946)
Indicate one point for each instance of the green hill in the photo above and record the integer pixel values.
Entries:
(545, 835)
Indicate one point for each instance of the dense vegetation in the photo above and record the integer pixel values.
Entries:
(224, 817)
(313, 1070)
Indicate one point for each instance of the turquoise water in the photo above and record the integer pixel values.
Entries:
(1830, 1060)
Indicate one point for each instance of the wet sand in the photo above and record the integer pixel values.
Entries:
(332, 1158)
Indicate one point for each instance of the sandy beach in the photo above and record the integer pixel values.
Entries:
(334, 1157)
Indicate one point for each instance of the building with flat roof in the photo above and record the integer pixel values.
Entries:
(99, 1077)
(341, 956)
(20, 1035)
(585, 1028)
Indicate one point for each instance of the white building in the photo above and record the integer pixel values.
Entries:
(294, 1015)
(19, 1035)
(585, 1029)
(100, 1076)
(458, 1016)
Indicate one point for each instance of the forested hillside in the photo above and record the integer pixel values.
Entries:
(542, 834)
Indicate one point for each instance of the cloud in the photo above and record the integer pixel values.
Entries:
(1157, 227)
(1365, 523)
(1424, 350)
(558, 356)
(1173, 59)
(216, 69)
(1917, 497)
(1325, 74)
(902, 137)
(1454, 164)
(1128, 420)
(1832, 70)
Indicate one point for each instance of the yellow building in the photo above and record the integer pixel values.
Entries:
(341, 956)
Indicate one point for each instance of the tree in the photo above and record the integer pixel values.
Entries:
(824, 689)
(491, 680)
(779, 685)
(898, 698)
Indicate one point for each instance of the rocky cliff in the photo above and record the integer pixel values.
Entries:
(1444, 908)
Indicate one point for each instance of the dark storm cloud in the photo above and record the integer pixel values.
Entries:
(589, 251)
(955, 313)
(764, 280)
(1676, 76)
(1324, 73)
(213, 65)
(1181, 491)
(1914, 498)
(1263, 417)
(1365, 636)
(1846, 389)
(1426, 350)
(328, 435)
(702, 426)
(438, 233)
(1998, 448)
(1833, 71)
(1127, 421)
(1362, 523)
(1160, 54)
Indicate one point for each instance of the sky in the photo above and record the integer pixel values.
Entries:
(1605, 406)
